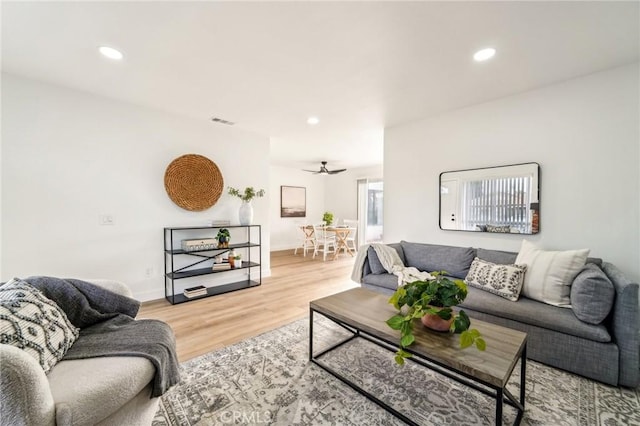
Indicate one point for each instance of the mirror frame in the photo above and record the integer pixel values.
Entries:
(535, 204)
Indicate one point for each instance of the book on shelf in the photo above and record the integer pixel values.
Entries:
(220, 223)
(221, 266)
(199, 290)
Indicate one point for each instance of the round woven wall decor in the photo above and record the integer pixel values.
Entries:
(193, 182)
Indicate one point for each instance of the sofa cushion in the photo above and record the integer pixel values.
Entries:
(34, 323)
(374, 262)
(497, 256)
(431, 257)
(382, 280)
(502, 280)
(400, 251)
(532, 312)
(87, 391)
(550, 273)
(592, 294)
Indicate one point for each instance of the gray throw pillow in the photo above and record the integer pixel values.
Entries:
(433, 257)
(497, 256)
(374, 263)
(592, 295)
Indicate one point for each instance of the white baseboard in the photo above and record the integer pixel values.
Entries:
(283, 247)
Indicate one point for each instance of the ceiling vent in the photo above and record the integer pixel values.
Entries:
(222, 121)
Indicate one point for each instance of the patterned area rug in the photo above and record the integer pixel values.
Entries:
(268, 380)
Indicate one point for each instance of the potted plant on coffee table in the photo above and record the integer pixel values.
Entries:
(431, 302)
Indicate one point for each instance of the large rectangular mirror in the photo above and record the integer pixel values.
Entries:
(493, 199)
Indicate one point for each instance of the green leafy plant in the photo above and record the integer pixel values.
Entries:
(223, 232)
(431, 297)
(249, 193)
(327, 217)
(223, 236)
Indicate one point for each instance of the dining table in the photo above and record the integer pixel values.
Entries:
(341, 232)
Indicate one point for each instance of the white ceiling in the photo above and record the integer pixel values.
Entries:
(358, 66)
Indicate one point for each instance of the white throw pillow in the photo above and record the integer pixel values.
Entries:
(550, 273)
(34, 323)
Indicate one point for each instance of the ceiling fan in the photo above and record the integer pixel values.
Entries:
(324, 171)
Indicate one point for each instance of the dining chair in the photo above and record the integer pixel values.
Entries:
(351, 239)
(308, 239)
(324, 242)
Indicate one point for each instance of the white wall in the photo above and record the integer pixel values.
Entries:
(69, 157)
(284, 233)
(584, 133)
(341, 196)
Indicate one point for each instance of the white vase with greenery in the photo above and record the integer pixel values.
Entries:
(245, 214)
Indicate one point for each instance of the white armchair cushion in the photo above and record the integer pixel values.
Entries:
(87, 391)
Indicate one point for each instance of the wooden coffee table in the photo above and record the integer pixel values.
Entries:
(364, 313)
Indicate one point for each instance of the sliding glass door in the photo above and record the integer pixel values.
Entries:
(370, 217)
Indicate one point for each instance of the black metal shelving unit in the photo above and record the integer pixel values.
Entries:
(200, 262)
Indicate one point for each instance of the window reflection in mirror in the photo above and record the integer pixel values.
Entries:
(502, 199)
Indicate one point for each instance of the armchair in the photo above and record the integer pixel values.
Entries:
(92, 391)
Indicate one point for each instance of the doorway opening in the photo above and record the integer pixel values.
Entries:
(370, 211)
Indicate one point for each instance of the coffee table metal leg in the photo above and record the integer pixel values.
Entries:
(499, 397)
(523, 383)
(523, 374)
(310, 334)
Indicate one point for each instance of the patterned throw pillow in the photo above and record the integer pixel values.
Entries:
(502, 280)
(35, 324)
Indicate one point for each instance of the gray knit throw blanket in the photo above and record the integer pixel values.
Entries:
(108, 328)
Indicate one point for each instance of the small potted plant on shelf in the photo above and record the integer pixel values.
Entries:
(431, 302)
(223, 238)
(238, 260)
(327, 217)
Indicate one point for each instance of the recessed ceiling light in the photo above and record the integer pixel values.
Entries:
(111, 53)
(484, 54)
(313, 120)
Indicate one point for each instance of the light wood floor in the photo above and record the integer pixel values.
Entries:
(207, 324)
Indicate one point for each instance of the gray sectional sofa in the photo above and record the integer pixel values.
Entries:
(608, 352)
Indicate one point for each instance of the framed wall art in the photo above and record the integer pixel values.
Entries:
(293, 201)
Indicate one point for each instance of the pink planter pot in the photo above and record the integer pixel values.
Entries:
(436, 323)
